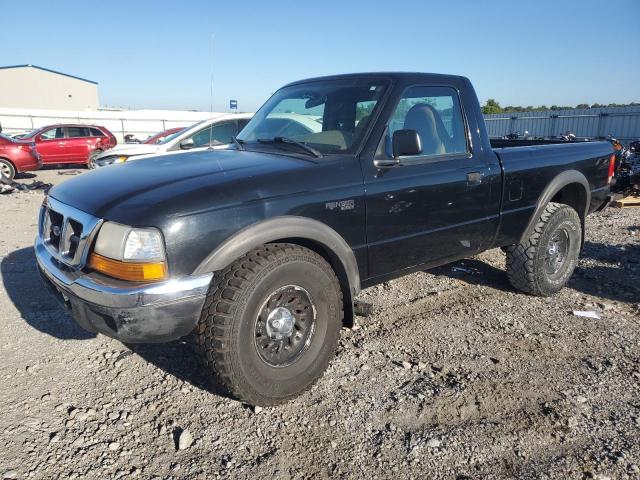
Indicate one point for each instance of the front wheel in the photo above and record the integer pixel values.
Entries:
(543, 263)
(7, 170)
(271, 323)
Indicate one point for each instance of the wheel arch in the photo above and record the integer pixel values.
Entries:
(6, 159)
(570, 188)
(95, 151)
(302, 231)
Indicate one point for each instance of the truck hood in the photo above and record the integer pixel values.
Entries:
(149, 193)
(131, 149)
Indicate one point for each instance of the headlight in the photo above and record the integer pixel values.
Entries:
(111, 159)
(134, 254)
(143, 245)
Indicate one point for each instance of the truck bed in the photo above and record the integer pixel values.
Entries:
(528, 171)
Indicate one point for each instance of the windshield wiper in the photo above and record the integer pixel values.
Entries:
(239, 143)
(289, 141)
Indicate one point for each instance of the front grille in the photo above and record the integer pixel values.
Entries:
(66, 231)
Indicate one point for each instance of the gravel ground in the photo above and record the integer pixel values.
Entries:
(454, 376)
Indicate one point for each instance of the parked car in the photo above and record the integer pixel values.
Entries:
(260, 249)
(19, 134)
(214, 132)
(17, 156)
(161, 136)
(70, 143)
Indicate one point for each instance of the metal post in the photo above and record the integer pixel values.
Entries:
(163, 126)
(122, 125)
(553, 120)
(601, 123)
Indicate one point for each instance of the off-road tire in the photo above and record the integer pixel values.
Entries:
(225, 334)
(7, 166)
(91, 161)
(526, 267)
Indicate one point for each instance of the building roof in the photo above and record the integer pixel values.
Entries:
(49, 70)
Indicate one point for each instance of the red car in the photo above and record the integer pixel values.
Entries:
(159, 137)
(17, 156)
(68, 143)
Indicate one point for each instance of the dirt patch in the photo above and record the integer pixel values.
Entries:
(454, 376)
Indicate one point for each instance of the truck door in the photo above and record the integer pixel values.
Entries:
(432, 206)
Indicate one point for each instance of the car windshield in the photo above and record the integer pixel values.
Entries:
(158, 139)
(174, 135)
(32, 133)
(329, 115)
(170, 137)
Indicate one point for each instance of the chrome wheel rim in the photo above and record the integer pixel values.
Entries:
(557, 251)
(5, 170)
(285, 326)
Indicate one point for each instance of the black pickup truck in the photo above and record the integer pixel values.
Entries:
(336, 184)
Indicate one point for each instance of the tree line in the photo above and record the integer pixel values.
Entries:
(492, 106)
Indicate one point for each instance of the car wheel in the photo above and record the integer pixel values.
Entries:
(543, 263)
(271, 323)
(7, 170)
(91, 162)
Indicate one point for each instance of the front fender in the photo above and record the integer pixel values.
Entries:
(282, 228)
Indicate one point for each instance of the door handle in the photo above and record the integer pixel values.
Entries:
(474, 178)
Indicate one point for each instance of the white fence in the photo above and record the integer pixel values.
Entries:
(141, 123)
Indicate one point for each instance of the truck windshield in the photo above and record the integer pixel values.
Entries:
(330, 116)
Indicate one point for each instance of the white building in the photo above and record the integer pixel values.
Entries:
(30, 86)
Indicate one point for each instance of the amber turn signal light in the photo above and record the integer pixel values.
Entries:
(131, 271)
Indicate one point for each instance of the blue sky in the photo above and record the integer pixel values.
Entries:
(147, 54)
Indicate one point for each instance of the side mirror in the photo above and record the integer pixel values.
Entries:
(406, 142)
(187, 143)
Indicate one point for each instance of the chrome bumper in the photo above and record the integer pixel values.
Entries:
(132, 313)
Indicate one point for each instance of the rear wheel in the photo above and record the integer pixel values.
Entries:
(91, 162)
(271, 323)
(543, 263)
(7, 170)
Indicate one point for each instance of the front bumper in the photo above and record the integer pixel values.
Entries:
(131, 313)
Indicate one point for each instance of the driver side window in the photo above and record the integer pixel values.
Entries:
(435, 113)
(219, 134)
(52, 134)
